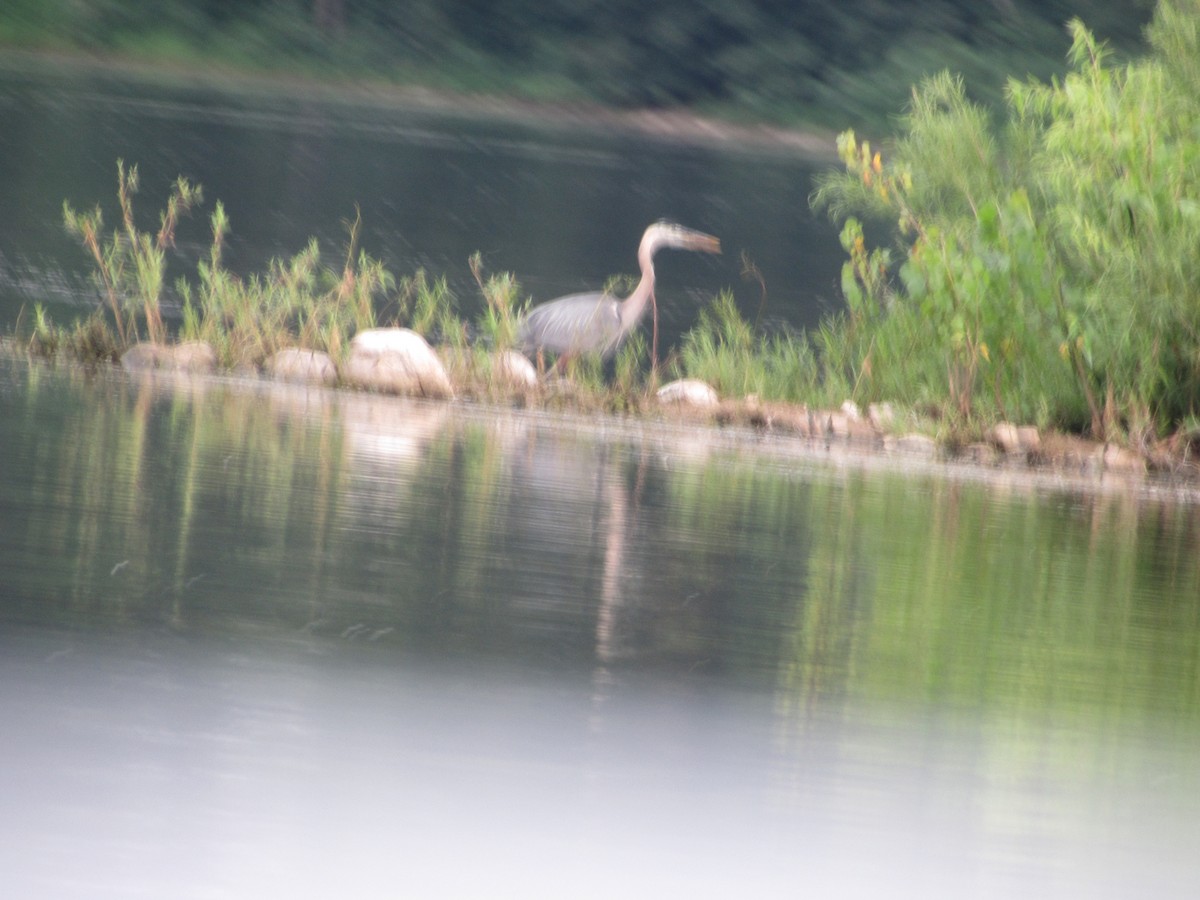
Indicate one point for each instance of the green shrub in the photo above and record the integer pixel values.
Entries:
(1048, 267)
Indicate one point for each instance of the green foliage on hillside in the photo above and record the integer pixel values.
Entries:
(779, 60)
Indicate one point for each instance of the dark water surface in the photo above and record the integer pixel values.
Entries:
(562, 209)
(275, 642)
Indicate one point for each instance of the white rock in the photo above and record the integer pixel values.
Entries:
(513, 370)
(837, 423)
(1119, 459)
(143, 357)
(304, 366)
(688, 392)
(981, 452)
(396, 361)
(1013, 439)
(1029, 438)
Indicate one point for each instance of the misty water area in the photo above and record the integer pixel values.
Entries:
(259, 640)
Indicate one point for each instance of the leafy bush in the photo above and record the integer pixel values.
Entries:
(1049, 267)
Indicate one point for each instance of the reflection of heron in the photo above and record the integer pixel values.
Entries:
(597, 322)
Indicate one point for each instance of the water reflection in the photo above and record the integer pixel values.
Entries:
(246, 628)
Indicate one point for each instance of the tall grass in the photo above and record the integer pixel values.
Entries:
(502, 309)
(130, 262)
(297, 301)
(429, 307)
(724, 350)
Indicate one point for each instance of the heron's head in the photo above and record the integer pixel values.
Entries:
(669, 234)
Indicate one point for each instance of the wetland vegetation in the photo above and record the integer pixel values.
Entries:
(1037, 266)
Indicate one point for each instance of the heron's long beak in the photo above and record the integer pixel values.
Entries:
(703, 243)
(676, 236)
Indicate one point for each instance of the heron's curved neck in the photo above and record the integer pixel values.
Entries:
(633, 307)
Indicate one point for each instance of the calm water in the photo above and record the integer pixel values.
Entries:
(257, 642)
(272, 642)
(563, 210)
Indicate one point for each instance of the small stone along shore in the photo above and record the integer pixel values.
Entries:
(401, 362)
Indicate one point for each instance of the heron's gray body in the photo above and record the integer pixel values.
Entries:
(596, 322)
(578, 323)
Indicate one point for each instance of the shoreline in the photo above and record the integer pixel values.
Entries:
(769, 432)
(679, 126)
(1055, 452)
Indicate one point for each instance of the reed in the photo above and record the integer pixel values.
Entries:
(297, 301)
(88, 341)
(130, 262)
(502, 308)
(724, 350)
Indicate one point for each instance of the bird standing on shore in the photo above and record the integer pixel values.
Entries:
(597, 322)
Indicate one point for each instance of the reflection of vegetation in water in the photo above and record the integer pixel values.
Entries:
(822, 643)
(142, 477)
(1061, 626)
(227, 508)
(83, 494)
(1021, 606)
(984, 599)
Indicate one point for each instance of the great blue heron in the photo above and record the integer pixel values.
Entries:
(597, 322)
